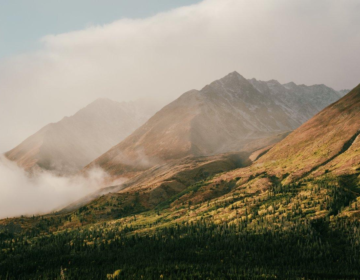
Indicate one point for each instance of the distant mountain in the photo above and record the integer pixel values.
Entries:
(300, 102)
(344, 92)
(68, 145)
(231, 114)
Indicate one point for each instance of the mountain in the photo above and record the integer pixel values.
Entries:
(301, 102)
(292, 214)
(68, 145)
(165, 180)
(327, 142)
(231, 114)
(344, 92)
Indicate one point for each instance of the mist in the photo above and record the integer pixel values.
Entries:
(161, 57)
(42, 192)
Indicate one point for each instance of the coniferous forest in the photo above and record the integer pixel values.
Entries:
(311, 249)
(187, 139)
(274, 235)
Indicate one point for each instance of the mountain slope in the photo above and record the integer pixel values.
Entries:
(307, 228)
(70, 144)
(329, 142)
(164, 180)
(231, 114)
(301, 102)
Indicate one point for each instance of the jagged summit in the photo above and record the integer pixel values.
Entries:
(230, 114)
(273, 82)
(232, 81)
(290, 85)
(232, 77)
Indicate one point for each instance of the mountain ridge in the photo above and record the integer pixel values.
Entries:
(328, 143)
(224, 116)
(68, 145)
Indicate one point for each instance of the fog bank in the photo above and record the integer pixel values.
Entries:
(21, 194)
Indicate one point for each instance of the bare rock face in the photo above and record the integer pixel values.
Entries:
(67, 146)
(231, 114)
(300, 102)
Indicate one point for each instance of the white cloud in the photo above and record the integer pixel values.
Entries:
(163, 56)
(22, 194)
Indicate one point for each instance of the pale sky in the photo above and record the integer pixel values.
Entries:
(23, 22)
(58, 56)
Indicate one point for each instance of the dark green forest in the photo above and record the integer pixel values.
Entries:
(316, 249)
(305, 230)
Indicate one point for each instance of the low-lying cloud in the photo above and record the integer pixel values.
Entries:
(25, 194)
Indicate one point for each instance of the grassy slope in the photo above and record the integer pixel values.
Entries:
(267, 214)
(317, 142)
(282, 190)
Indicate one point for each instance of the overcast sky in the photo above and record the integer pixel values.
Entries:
(56, 58)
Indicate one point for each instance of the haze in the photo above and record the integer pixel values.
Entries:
(162, 56)
(23, 194)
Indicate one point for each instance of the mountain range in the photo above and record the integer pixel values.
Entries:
(232, 114)
(326, 145)
(229, 115)
(283, 204)
(67, 146)
(319, 161)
